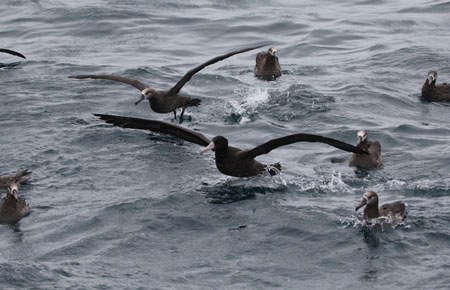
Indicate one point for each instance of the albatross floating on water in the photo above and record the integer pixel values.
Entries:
(12, 52)
(432, 92)
(395, 209)
(13, 207)
(267, 66)
(229, 160)
(366, 161)
(169, 100)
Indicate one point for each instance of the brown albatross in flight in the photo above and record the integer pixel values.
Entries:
(169, 100)
(366, 161)
(267, 66)
(12, 52)
(432, 92)
(13, 207)
(229, 160)
(395, 209)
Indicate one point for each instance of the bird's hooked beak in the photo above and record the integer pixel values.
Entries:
(140, 99)
(14, 194)
(361, 204)
(430, 79)
(359, 140)
(207, 148)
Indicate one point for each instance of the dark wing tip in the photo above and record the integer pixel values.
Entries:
(12, 52)
(79, 77)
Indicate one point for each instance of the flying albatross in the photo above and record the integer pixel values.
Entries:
(229, 160)
(395, 209)
(433, 92)
(169, 100)
(13, 207)
(12, 52)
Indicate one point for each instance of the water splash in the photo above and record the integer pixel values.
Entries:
(334, 183)
(245, 108)
(381, 223)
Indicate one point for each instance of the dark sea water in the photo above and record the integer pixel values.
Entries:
(115, 208)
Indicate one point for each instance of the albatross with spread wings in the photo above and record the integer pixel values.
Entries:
(169, 100)
(229, 160)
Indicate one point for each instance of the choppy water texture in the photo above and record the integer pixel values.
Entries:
(114, 208)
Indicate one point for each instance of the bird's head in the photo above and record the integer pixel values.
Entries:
(13, 190)
(361, 136)
(218, 144)
(370, 198)
(146, 94)
(272, 51)
(432, 77)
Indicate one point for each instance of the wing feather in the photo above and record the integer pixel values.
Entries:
(135, 83)
(300, 137)
(176, 89)
(12, 52)
(156, 126)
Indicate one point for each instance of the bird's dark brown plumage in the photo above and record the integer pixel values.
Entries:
(367, 161)
(13, 207)
(395, 209)
(229, 160)
(267, 65)
(169, 100)
(435, 93)
(12, 52)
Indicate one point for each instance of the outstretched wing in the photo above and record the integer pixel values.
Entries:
(137, 84)
(176, 89)
(12, 52)
(18, 177)
(156, 126)
(300, 137)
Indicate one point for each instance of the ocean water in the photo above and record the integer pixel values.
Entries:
(123, 209)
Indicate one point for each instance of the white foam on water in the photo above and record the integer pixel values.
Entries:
(382, 222)
(247, 102)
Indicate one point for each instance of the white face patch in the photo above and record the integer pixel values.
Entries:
(13, 186)
(361, 133)
(272, 50)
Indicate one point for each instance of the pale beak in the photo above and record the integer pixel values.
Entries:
(361, 204)
(430, 79)
(359, 138)
(14, 194)
(140, 99)
(207, 148)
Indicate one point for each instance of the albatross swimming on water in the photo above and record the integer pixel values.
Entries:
(13, 207)
(370, 200)
(366, 161)
(267, 66)
(432, 92)
(169, 100)
(229, 160)
(12, 52)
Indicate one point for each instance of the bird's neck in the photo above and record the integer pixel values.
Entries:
(270, 60)
(363, 145)
(9, 202)
(428, 87)
(371, 211)
(220, 154)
